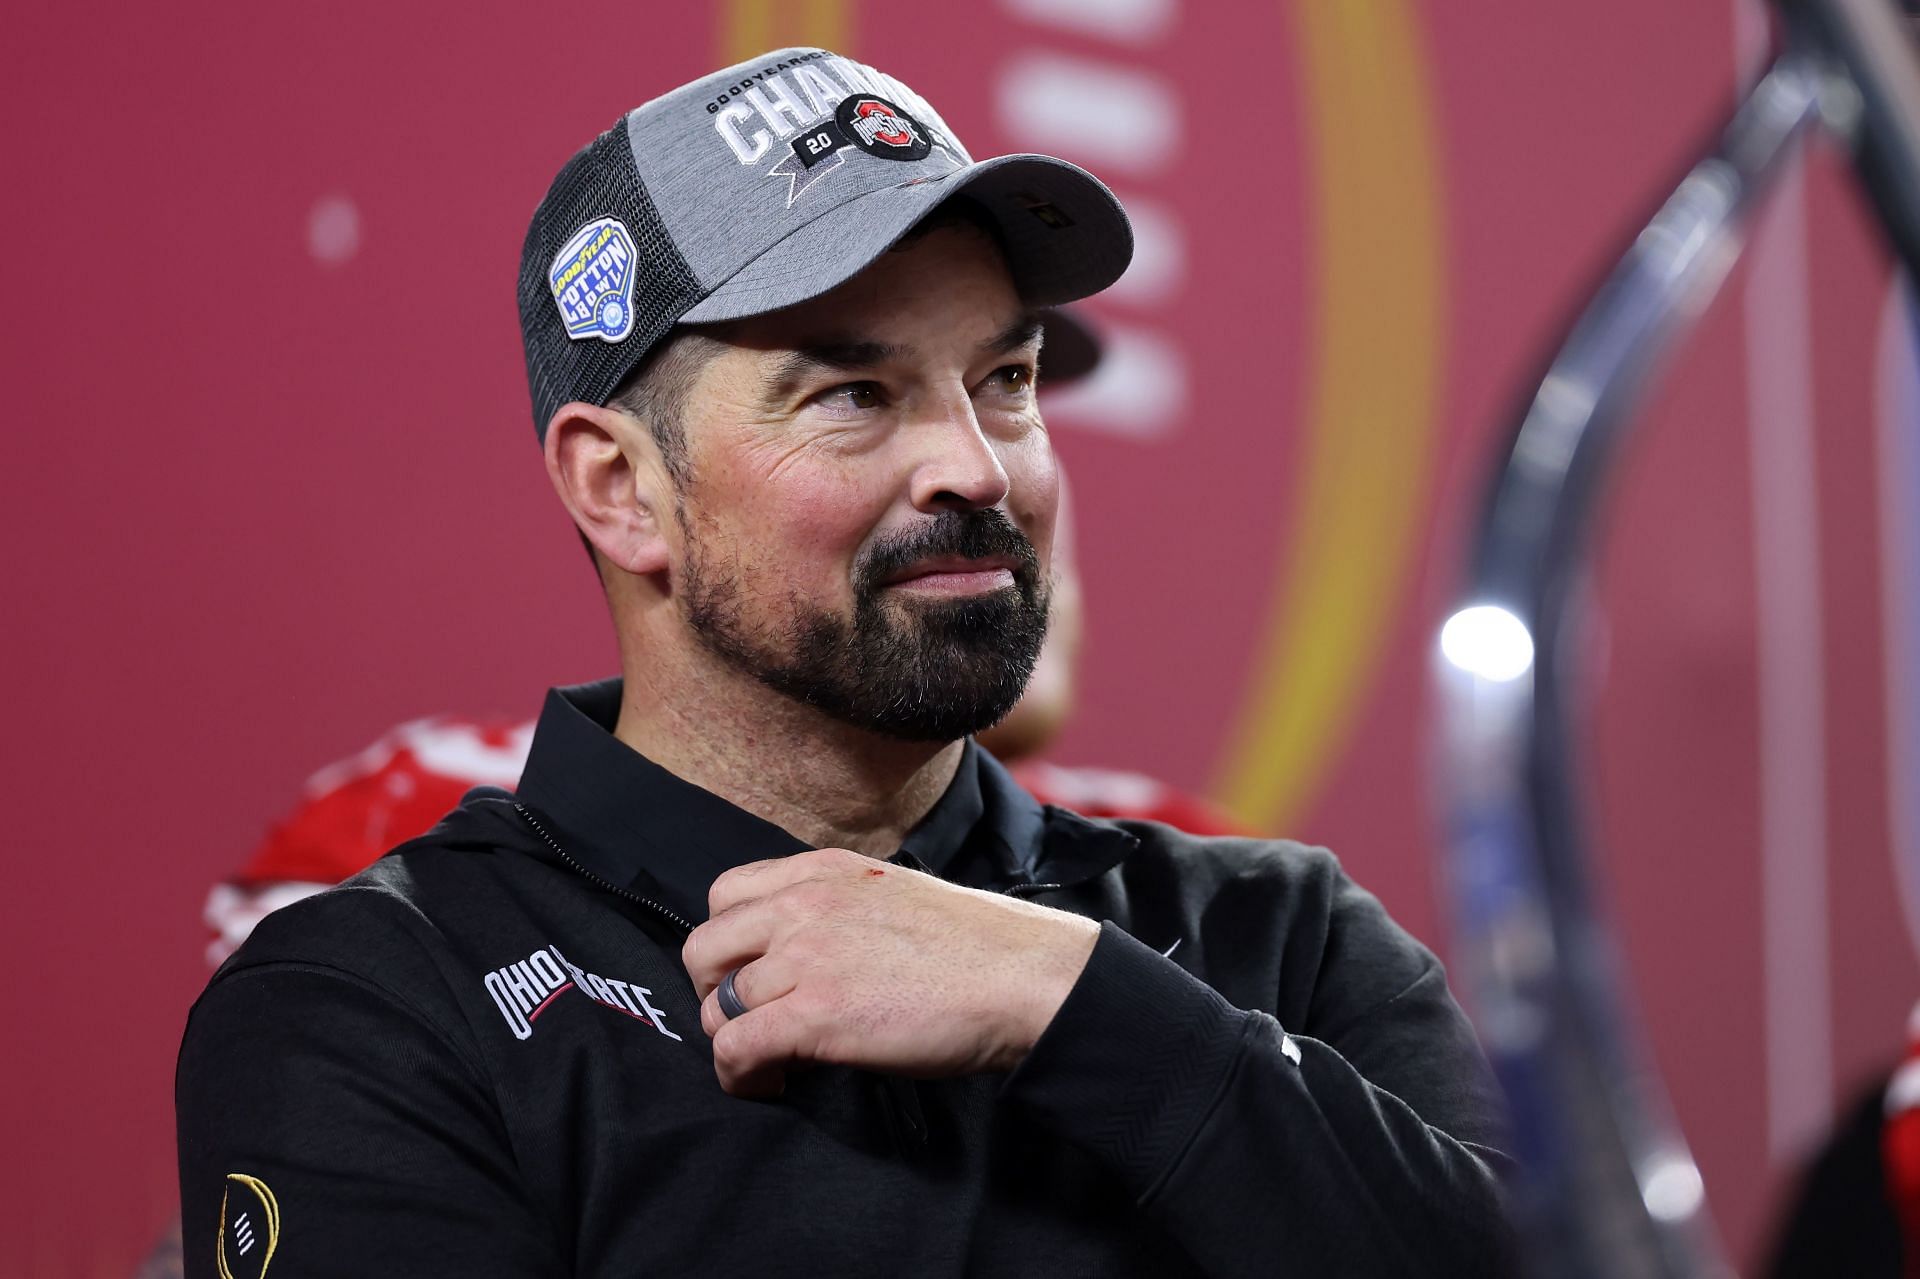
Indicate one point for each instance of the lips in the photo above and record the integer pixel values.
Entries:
(957, 553)
(933, 570)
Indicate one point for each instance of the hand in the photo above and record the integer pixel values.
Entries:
(850, 961)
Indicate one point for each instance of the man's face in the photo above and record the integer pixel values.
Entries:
(868, 513)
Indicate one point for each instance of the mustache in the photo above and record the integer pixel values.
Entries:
(968, 534)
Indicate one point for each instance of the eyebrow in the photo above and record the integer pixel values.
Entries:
(1027, 328)
(848, 356)
(856, 355)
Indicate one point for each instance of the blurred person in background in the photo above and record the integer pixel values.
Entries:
(1022, 739)
(822, 506)
(349, 814)
(1855, 1209)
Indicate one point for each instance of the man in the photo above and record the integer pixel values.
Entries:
(766, 968)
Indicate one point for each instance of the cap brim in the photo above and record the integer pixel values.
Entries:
(1072, 349)
(1065, 235)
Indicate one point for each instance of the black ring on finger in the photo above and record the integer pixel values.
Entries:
(731, 1005)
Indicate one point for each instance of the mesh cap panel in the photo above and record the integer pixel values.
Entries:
(598, 182)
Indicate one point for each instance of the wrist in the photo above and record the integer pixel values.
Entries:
(1049, 977)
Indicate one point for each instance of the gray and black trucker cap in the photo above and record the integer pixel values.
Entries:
(764, 185)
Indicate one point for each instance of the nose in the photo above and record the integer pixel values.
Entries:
(958, 467)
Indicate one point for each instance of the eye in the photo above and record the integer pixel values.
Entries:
(852, 397)
(1011, 379)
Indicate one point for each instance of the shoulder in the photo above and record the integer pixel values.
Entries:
(1307, 878)
(395, 925)
(1306, 873)
(1291, 902)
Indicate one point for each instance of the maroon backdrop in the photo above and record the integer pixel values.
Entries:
(274, 487)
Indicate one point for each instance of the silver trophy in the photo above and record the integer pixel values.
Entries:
(1608, 1188)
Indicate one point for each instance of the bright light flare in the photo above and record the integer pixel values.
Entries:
(1673, 1190)
(1488, 641)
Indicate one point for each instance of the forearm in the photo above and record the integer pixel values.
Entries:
(1259, 1151)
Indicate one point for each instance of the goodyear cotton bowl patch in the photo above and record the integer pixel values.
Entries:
(592, 281)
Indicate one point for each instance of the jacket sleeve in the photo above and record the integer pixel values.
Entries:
(326, 1128)
(1372, 1151)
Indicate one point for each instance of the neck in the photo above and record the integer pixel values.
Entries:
(825, 782)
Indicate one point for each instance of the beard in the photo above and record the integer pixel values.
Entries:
(925, 670)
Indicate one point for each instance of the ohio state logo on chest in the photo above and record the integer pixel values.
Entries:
(527, 988)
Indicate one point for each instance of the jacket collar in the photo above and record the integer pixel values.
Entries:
(636, 824)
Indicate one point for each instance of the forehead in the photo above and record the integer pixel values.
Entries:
(948, 287)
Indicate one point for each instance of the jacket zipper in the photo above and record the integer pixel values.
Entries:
(596, 880)
(900, 1098)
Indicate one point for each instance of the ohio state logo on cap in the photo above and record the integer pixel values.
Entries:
(880, 128)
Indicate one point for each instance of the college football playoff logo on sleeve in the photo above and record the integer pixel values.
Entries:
(592, 279)
(249, 1228)
(880, 128)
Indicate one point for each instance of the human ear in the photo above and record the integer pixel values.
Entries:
(609, 476)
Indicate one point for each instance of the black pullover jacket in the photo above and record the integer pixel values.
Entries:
(482, 1057)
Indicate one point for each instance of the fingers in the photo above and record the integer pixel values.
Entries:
(800, 933)
(740, 936)
(751, 907)
(757, 984)
(751, 1053)
(760, 879)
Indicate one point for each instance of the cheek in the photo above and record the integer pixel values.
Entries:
(1033, 492)
(803, 531)
(826, 514)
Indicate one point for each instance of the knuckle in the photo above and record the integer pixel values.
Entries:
(729, 1052)
(830, 859)
(821, 1003)
(801, 946)
(806, 899)
(825, 1033)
